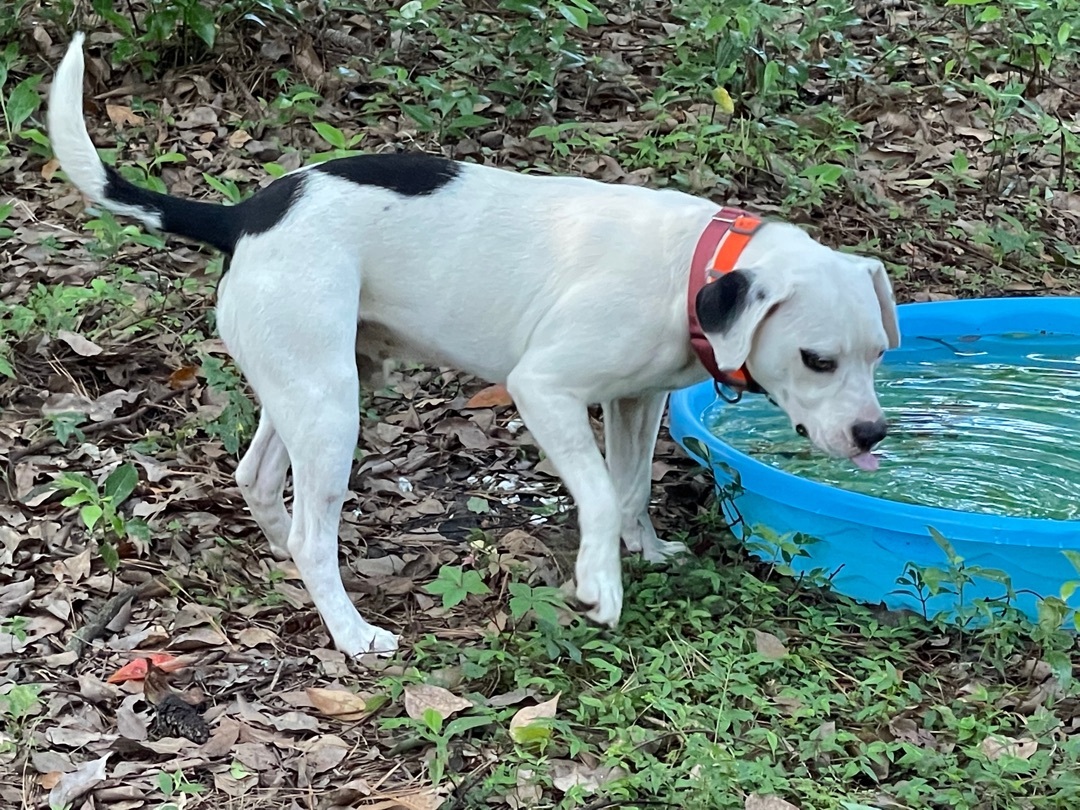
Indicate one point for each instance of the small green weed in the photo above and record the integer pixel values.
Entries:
(48, 309)
(177, 789)
(110, 236)
(432, 730)
(66, 426)
(14, 626)
(18, 100)
(455, 585)
(100, 507)
(342, 144)
(17, 705)
(236, 422)
(543, 602)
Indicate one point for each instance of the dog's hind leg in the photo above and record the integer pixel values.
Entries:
(321, 447)
(261, 478)
(630, 428)
(290, 321)
(559, 421)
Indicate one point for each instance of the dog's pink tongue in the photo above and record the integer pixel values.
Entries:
(866, 461)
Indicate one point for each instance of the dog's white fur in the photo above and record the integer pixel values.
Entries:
(569, 291)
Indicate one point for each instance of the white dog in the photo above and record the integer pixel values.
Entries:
(569, 291)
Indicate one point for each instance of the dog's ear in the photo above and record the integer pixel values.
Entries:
(732, 308)
(884, 292)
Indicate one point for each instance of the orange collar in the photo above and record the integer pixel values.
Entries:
(717, 251)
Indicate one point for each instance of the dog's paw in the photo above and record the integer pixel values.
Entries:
(632, 539)
(279, 551)
(662, 551)
(602, 592)
(383, 643)
(639, 536)
(367, 640)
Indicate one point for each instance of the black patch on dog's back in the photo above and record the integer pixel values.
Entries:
(719, 304)
(203, 222)
(411, 175)
(266, 208)
(219, 226)
(222, 226)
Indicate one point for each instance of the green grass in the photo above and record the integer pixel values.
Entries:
(725, 680)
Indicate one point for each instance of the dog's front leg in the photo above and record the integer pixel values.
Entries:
(630, 428)
(559, 421)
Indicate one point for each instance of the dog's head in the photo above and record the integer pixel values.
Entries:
(811, 325)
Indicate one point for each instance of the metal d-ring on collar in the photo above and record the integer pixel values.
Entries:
(730, 395)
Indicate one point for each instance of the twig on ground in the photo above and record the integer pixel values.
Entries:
(153, 402)
(109, 611)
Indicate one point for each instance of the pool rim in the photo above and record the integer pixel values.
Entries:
(1046, 315)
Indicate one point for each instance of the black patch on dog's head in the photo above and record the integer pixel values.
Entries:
(719, 304)
(266, 208)
(411, 175)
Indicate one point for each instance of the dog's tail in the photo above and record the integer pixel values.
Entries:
(216, 225)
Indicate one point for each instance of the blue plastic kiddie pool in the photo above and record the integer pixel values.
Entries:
(867, 544)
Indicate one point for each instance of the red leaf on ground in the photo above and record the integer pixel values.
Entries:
(182, 377)
(136, 670)
(491, 397)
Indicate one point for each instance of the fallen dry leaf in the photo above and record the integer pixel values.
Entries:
(136, 670)
(82, 346)
(238, 138)
(756, 802)
(566, 774)
(78, 782)
(493, 396)
(527, 791)
(322, 754)
(421, 697)
(420, 800)
(769, 645)
(530, 724)
(121, 115)
(996, 746)
(155, 683)
(906, 729)
(182, 377)
(338, 703)
(50, 780)
(49, 169)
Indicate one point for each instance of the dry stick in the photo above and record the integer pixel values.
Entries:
(109, 611)
(155, 401)
(1061, 151)
(1047, 79)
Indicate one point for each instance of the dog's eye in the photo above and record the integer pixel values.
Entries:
(815, 362)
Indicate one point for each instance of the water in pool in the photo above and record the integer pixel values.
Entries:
(986, 425)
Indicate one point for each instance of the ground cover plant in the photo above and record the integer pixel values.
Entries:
(941, 136)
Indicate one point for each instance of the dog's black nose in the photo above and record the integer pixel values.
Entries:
(867, 434)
